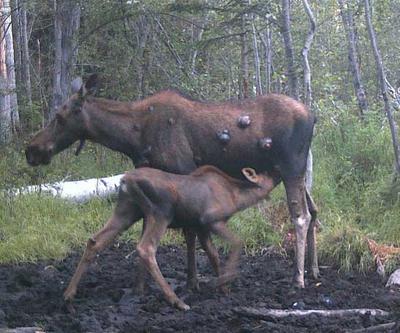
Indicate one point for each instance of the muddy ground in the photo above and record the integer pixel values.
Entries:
(31, 295)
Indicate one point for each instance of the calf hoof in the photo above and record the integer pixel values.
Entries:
(224, 289)
(69, 294)
(181, 305)
(225, 278)
(193, 284)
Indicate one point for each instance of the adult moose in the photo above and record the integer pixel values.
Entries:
(167, 131)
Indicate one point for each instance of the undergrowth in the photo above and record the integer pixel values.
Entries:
(354, 188)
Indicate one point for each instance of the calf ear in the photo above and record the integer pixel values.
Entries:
(250, 175)
(89, 87)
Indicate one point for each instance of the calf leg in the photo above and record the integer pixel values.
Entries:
(211, 251)
(311, 239)
(300, 216)
(212, 254)
(141, 271)
(192, 281)
(147, 248)
(230, 269)
(124, 216)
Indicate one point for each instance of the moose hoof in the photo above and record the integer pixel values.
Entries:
(193, 284)
(298, 283)
(314, 273)
(224, 289)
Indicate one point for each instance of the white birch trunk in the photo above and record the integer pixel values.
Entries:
(8, 36)
(8, 99)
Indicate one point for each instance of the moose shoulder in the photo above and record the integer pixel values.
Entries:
(167, 131)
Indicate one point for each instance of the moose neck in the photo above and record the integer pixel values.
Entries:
(114, 124)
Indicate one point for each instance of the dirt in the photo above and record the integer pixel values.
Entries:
(31, 295)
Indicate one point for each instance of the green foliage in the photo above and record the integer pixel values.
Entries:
(255, 230)
(38, 227)
(344, 245)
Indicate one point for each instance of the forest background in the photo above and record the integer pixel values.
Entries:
(341, 58)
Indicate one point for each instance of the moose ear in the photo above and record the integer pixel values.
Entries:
(76, 85)
(250, 175)
(89, 87)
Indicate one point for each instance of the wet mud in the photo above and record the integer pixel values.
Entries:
(31, 295)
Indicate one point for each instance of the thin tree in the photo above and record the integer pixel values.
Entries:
(244, 62)
(256, 54)
(307, 82)
(381, 76)
(289, 53)
(348, 23)
(266, 39)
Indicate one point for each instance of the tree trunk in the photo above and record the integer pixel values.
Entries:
(66, 25)
(198, 39)
(348, 23)
(287, 39)
(9, 118)
(256, 57)
(244, 63)
(16, 25)
(307, 84)
(22, 58)
(383, 86)
(266, 39)
(143, 54)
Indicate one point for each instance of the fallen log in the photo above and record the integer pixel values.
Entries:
(378, 328)
(76, 191)
(394, 279)
(263, 313)
(22, 330)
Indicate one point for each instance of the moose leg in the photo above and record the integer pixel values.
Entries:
(311, 239)
(300, 216)
(147, 249)
(124, 216)
(230, 269)
(192, 281)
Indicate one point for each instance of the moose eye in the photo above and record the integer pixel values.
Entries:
(76, 106)
(60, 119)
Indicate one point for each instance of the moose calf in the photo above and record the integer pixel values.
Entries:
(203, 201)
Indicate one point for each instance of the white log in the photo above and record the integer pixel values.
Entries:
(394, 279)
(76, 191)
(277, 314)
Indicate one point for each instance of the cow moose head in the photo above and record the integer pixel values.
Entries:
(67, 127)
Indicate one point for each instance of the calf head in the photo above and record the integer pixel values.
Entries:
(265, 181)
(67, 126)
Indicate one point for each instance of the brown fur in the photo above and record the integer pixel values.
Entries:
(203, 200)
